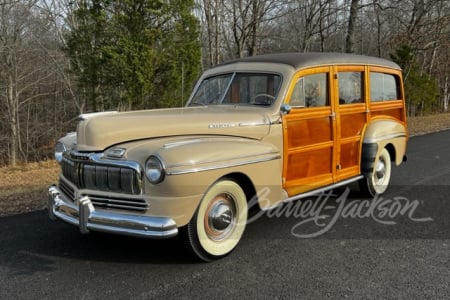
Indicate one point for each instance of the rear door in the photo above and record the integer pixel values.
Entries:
(351, 117)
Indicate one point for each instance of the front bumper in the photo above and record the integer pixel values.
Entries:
(83, 214)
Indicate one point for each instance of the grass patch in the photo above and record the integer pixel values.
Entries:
(28, 175)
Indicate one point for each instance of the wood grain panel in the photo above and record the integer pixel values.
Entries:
(309, 131)
(310, 163)
(352, 124)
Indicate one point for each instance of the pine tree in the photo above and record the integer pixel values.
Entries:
(421, 90)
(135, 54)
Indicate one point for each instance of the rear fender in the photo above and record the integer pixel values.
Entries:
(380, 134)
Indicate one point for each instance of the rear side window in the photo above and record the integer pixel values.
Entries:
(383, 87)
(350, 87)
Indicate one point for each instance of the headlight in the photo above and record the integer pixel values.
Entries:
(60, 148)
(154, 170)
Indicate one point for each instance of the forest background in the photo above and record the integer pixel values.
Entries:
(61, 58)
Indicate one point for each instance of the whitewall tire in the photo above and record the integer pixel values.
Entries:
(219, 222)
(378, 181)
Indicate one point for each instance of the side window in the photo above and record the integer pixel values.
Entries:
(350, 87)
(311, 91)
(383, 87)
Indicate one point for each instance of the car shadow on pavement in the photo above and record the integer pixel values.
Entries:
(30, 242)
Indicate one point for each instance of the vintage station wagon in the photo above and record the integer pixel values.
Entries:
(284, 126)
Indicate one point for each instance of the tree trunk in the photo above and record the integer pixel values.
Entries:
(13, 136)
(350, 39)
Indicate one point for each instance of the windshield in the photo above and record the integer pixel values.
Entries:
(237, 89)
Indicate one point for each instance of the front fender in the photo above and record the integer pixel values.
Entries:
(211, 153)
(192, 164)
(200, 162)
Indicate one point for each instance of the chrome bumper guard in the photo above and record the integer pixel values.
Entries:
(83, 214)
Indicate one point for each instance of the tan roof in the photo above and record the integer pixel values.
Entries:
(313, 59)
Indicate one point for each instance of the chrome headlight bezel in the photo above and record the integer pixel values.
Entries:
(154, 170)
(59, 150)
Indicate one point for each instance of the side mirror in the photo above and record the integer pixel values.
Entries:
(285, 109)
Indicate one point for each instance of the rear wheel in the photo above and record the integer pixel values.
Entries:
(219, 222)
(378, 181)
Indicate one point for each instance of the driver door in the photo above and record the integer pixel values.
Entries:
(309, 133)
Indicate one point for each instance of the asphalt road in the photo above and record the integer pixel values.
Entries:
(398, 248)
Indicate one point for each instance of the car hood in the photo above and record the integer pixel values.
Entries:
(98, 131)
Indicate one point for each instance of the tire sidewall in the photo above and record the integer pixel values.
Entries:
(203, 246)
(374, 187)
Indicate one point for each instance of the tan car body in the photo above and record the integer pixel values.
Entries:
(201, 145)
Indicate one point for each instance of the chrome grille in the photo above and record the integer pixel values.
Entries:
(67, 189)
(90, 175)
(119, 203)
(123, 203)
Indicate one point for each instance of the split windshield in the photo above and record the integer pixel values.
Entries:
(237, 89)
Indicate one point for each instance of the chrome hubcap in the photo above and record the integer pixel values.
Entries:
(380, 171)
(219, 217)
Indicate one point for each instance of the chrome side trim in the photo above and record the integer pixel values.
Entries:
(317, 191)
(83, 214)
(243, 124)
(243, 157)
(208, 139)
(182, 143)
(384, 137)
(271, 156)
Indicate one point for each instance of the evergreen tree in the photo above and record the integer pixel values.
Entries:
(421, 90)
(135, 54)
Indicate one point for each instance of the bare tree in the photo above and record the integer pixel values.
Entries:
(313, 20)
(14, 23)
(39, 97)
(245, 20)
(29, 79)
(213, 16)
(350, 39)
(443, 65)
(61, 14)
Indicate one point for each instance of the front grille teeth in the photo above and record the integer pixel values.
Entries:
(119, 203)
(67, 190)
(106, 178)
(121, 183)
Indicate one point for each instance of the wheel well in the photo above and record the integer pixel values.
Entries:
(369, 152)
(391, 149)
(245, 183)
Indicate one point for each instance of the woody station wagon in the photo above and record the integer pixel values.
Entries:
(265, 129)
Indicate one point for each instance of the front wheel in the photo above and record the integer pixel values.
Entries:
(219, 222)
(378, 181)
